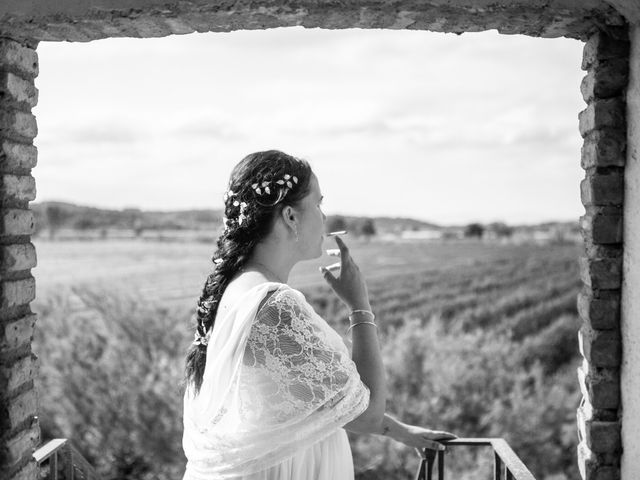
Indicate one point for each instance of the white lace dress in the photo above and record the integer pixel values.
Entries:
(278, 386)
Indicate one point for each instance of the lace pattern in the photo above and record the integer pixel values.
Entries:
(293, 365)
(295, 384)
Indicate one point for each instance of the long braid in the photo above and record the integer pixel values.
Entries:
(214, 287)
(238, 241)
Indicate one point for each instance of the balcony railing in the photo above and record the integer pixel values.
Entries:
(62, 455)
(506, 464)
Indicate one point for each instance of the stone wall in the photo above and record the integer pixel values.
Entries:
(86, 20)
(603, 127)
(630, 308)
(19, 427)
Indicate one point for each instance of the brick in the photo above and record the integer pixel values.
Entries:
(602, 188)
(152, 27)
(13, 122)
(24, 443)
(591, 467)
(601, 46)
(600, 386)
(18, 332)
(200, 21)
(16, 257)
(21, 371)
(599, 313)
(604, 148)
(607, 79)
(19, 90)
(14, 293)
(600, 251)
(178, 25)
(602, 113)
(601, 273)
(17, 156)
(601, 348)
(604, 228)
(16, 222)
(19, 57)
(598, 436)
(14, 411)
(19, 188)
(603, 436)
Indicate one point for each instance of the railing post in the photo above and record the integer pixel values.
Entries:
(422, 470)
(53, 467)
(69, 461)
(441, 464)
(497, 467)
(506, 464)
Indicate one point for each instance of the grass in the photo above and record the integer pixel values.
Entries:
(479, 339)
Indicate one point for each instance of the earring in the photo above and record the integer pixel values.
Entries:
(297, 235)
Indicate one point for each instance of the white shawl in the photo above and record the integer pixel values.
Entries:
(276, 380)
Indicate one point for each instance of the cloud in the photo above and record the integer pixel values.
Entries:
(97, 134)
(206, 128)
(431, 125)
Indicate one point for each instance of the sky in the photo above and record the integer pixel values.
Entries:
(445, 128)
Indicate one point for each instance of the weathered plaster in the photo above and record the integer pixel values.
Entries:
(630, 306)
(85, 20)
(629, 8)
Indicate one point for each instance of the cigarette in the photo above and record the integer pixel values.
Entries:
(333, 251)
(333, 266)
(339, 232)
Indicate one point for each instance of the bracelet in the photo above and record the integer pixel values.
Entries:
(369, 312)
(360, 323)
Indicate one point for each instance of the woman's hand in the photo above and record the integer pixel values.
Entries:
(421, 438)
(350, 285)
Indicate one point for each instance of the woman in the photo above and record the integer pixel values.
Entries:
(272, 389)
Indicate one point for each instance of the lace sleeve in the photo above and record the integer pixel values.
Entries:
(298, 367)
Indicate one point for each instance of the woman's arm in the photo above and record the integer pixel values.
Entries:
(366, 355)
(392, 428)
(389, 427)
(411, 435)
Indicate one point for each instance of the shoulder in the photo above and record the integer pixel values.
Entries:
(279, 293)
(283, 298)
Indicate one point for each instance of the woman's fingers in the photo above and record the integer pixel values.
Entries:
(440, 435)
(328, 276)
(344, 250)
(431, 445)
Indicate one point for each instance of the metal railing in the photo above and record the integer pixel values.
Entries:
(506, 464)
(62, 455)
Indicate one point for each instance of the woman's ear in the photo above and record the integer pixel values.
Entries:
(289, 215)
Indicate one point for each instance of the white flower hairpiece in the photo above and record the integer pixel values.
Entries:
(200, 340)
(259, 188)
(204, 306)
(228, 193)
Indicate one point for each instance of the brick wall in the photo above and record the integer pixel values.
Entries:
(19, 427)
(603, 127)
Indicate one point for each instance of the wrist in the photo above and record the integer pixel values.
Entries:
(359, 306)
(357, 317)
(393, 428)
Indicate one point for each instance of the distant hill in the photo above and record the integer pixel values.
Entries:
(396, 224)
(70, 215)
(54, 216)
(82, 217)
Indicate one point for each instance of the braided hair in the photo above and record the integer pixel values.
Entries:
(249, 219)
